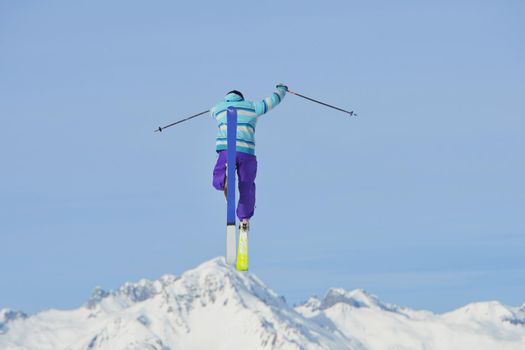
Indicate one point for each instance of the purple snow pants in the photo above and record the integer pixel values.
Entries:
(246, 172)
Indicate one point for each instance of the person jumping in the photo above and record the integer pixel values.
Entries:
(248, 113)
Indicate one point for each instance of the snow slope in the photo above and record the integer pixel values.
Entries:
(216, 307)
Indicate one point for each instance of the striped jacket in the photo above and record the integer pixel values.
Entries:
(247, 115)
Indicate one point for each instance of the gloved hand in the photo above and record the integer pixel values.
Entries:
(282, 86)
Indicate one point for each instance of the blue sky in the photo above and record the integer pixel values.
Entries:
(420, 200)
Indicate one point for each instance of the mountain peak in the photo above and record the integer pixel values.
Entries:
(339, 297)
(356, 298)
(488, 311)
(215, 275)
(204, 282)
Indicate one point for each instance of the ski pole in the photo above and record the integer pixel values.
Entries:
(322, 103)
(180, 121)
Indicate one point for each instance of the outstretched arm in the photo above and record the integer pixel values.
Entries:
(262, 107)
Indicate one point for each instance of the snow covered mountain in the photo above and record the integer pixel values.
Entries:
(487, 325)
(217, 307)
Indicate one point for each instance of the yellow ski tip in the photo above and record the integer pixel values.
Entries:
(242, 251)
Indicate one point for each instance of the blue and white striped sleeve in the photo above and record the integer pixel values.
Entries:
(267, 104)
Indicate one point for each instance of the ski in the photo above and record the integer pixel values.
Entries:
(242, 250)
(230, 244)
(231, 253)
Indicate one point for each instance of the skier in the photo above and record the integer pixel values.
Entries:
(247, 115)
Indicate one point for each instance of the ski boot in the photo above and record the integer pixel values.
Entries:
(244, 225)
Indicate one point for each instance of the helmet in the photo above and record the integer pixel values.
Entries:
(238, 93)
